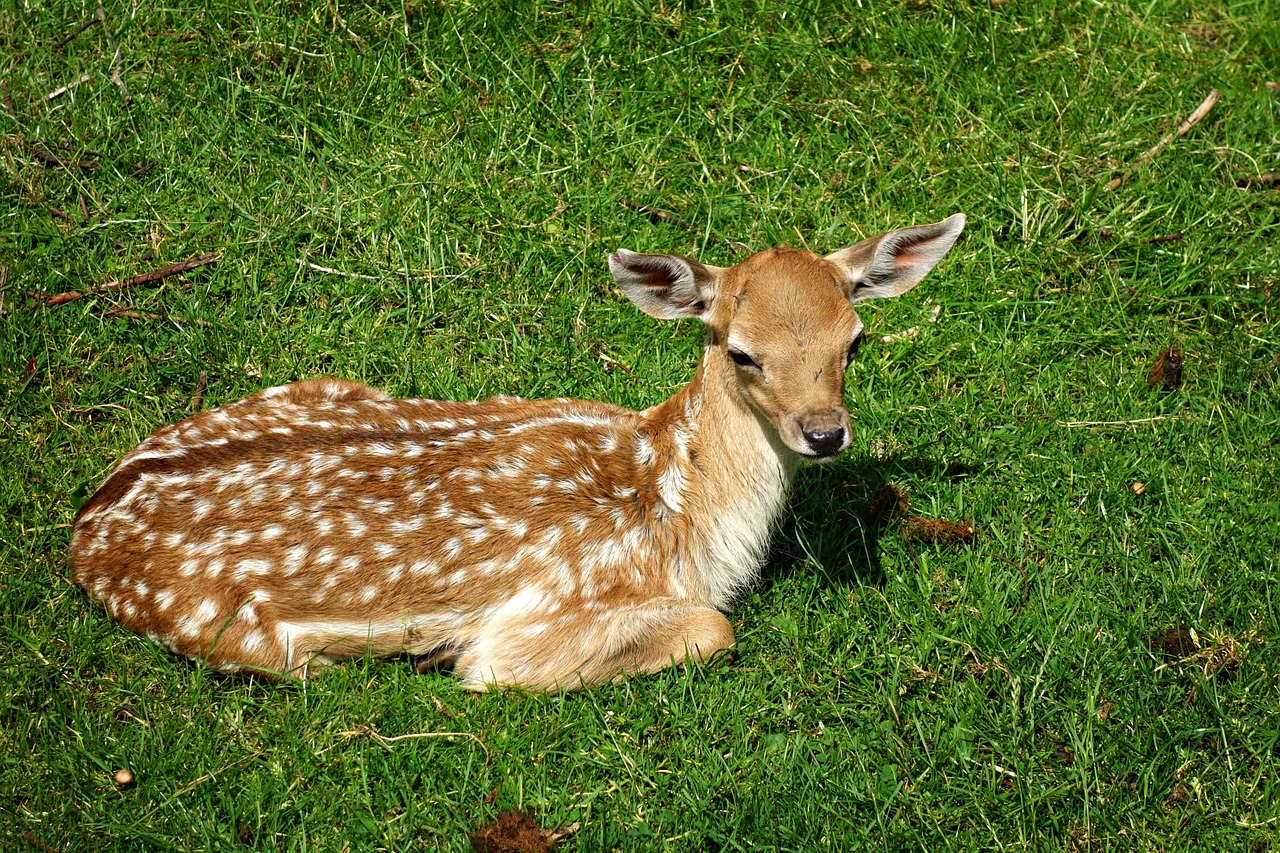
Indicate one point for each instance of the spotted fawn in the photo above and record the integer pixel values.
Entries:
(549, 544)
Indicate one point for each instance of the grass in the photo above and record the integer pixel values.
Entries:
(463, 164)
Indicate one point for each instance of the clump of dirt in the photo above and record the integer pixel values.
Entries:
(1216, 656)
(889, 504)
(940, 531)
(1174, 643)
(1166, 370)
(517, 832)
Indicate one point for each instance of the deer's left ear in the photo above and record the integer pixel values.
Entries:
(665, 286)
(892, 263)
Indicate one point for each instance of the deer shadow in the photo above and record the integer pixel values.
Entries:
(838, 513)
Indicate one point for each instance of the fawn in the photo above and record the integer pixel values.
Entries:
(549, 544)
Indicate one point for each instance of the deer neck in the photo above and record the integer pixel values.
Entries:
(722, 475)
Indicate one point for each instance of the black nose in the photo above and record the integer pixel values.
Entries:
(825, 442)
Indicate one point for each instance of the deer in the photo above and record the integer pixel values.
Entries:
(548, 545)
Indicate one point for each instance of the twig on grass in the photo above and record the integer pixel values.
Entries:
(404, 273)
(143, 169)
(55, 160)
(197, 398)
(196, 783)
(133, 314)
(116, 76)
(1026, 585)
(329, 271)
(62, 90)
(1245, 824)
(117, 284)
(656, 214)
(58, 213)
(1192, 120)
(4, 285)
(8, 101)
(78, 30)
(368, 731)
(1133, 422)
(1266, 179)
(1004, 771)
(1163, 238)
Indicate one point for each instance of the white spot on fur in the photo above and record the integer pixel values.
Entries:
(205, 610)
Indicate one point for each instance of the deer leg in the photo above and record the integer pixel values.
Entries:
(652, 641)
(639, 639)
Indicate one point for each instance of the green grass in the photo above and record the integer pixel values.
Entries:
(465, 164)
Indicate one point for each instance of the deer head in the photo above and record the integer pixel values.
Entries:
(781, 324)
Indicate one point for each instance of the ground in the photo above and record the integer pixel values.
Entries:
(422, 196)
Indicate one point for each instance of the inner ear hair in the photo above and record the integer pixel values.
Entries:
(892, 263)
(665, 286)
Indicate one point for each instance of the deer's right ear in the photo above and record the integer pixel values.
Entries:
(665, 286)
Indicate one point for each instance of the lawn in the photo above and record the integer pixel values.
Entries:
(421, 195)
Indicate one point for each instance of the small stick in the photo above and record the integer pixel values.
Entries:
(655, 214)
(132, 314)
(4, 285)
(117, 284)
(329, 271)
(67, 146)
(1192, 120)
(658, 215)
(115, 62)
(613, 362)
(1163, 238)
(84, 210)
(197, 399)
(66, 41)
(196, 783)
(55, 211)
(1134, 422)
(1266, 179)
(8, 101)
(387, 741)
(1026, 586)
(62, 90)
(55, 160)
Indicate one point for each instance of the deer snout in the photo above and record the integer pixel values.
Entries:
(821, 435)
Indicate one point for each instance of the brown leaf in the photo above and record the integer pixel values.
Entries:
(1166, 371)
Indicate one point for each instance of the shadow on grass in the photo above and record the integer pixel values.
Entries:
(834, 524)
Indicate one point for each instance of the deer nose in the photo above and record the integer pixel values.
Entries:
(825, 442)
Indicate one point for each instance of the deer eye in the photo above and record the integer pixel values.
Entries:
(853, 348)
(741, 359)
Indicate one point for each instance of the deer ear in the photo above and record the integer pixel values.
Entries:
(665, 286)
(893, 263)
